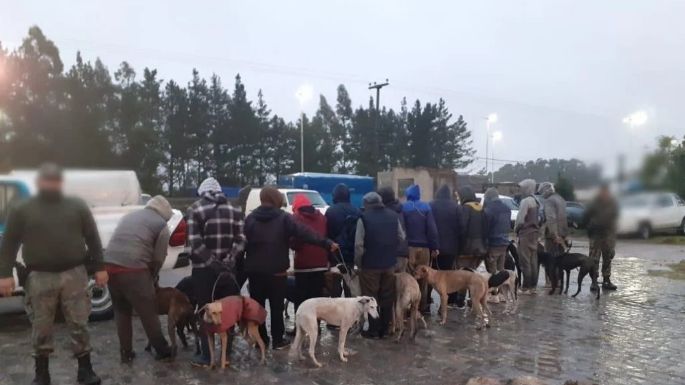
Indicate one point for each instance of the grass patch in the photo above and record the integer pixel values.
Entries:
(677, 271)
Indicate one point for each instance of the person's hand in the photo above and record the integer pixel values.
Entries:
(334, 247)
(101, 278)
(6, 286)
(435, 253)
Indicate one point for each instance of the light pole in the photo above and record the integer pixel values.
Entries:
(490, 119)
(496, 137)
(303, 94)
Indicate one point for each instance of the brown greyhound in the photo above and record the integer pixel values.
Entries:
(450, 281)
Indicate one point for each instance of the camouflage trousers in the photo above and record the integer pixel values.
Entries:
(606, 249)
(68, 290)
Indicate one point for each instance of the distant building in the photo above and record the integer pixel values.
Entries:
(429, 179)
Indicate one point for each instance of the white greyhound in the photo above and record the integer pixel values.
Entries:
(342, 312)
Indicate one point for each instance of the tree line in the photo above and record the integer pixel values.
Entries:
(173, 135)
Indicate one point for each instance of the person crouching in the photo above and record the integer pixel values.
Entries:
(379, 234)
(133, 258)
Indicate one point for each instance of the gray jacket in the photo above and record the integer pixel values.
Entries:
(556, 223)
(527, 220)
(140, 240)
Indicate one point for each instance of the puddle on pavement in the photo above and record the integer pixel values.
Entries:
(677, 271)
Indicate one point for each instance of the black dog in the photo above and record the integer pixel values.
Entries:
(569, 261)
(185, 286)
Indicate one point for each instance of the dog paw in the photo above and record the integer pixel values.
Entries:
(318, 364)
(443, 322)
(343, 358)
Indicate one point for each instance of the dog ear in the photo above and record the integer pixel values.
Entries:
(364, 300)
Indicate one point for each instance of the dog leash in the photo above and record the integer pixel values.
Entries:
(217, 281)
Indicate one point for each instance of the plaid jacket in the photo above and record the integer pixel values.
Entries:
(215, 231)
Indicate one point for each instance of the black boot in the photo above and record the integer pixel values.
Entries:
(85, 374)
(607, 285)
(42, 371)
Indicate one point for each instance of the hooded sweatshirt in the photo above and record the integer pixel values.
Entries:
(390, 201)
(140, 240)
(215, 229)
(474, 238)
(554, 207)
(338, 217)
(448, 220)
(527, 221)
(309, 257)
(419, 221)
(269, 230)
(498, 216)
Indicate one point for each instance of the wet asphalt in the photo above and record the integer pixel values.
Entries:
(632, 336)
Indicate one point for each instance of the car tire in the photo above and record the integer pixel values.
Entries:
(100, 302)
(644, 231)
(682, 227)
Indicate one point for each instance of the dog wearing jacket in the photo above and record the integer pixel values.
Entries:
(342, 312)
(222, 315)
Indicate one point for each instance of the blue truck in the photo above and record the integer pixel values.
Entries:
(324, 184)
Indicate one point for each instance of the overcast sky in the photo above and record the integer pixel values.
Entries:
(561, 75)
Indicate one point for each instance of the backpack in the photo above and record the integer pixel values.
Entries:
(347, 235)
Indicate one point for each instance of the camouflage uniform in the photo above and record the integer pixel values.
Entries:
(45, 291)
(600, 221)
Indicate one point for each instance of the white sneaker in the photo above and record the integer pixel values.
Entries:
(525, 292)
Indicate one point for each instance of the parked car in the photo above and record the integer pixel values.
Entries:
(654, 212)
(289, 194)
(110, 195)
(509, 202)
(574, 214)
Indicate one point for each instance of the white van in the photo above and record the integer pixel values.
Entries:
(110, 194)
(289, 194)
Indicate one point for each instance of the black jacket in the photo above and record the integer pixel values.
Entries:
(268, 231)
(475, 225)
(338, 216)
(448, 219)
(388, 196)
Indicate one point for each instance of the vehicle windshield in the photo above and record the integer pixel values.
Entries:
(313, 196)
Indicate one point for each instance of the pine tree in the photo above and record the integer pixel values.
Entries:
(220, 128)
(175, 110)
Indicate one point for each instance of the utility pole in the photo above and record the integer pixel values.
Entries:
(377, 87)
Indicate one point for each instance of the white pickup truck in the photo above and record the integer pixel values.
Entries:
(110, 194)
(647, 213)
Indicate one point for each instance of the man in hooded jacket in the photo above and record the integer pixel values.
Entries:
(338, 217)
(216, 239)
(498, 216)
(555, 228)
(390, 201)
(474, 241)
(422, 236)
(311, 262)
(268, 231)
(447, 214)
(527, 228)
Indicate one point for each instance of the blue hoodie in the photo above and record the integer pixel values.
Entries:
(419, 221)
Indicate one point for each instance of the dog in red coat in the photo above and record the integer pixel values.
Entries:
(221, 316)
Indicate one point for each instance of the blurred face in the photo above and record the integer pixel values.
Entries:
(49, 186)
(604, 193)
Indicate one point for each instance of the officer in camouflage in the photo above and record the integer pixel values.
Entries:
(600, 221)
(59, 237)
